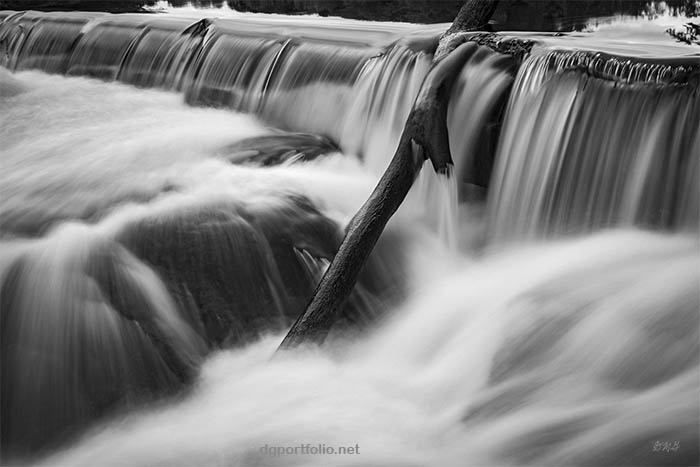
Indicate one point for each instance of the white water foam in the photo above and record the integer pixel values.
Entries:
(574, 353)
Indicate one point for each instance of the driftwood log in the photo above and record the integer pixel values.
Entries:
(424, 137)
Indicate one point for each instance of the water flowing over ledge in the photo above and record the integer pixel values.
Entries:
(601, 152)
(140, 234)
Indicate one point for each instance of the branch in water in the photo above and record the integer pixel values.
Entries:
(424, 136)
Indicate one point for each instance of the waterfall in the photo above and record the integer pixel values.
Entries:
(128, 260)
(614, 142)
(173, 187)
(384, 97)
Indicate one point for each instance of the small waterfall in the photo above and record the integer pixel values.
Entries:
(102, 50)
(148, 247)
(296, 84)
(163, 55)
(232, 72)
(312, 87)
(384, 95)
(357, 95)
(48, 45)
(591, 142)
(473, 118)
(475, 113)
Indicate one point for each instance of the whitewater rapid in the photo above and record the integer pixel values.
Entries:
(582, 352)
(540, 307)
(587, 346)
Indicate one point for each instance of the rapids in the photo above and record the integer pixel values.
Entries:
(173, 186)
(582, 352)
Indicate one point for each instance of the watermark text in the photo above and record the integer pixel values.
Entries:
(309, 449)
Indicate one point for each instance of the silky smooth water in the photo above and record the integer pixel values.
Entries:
(574, 353)
(539, 307)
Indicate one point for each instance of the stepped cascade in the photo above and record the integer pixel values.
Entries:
(174, 186)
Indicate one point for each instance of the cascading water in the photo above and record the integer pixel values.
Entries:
(615, 142)
(384, 97)
(153, 253)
